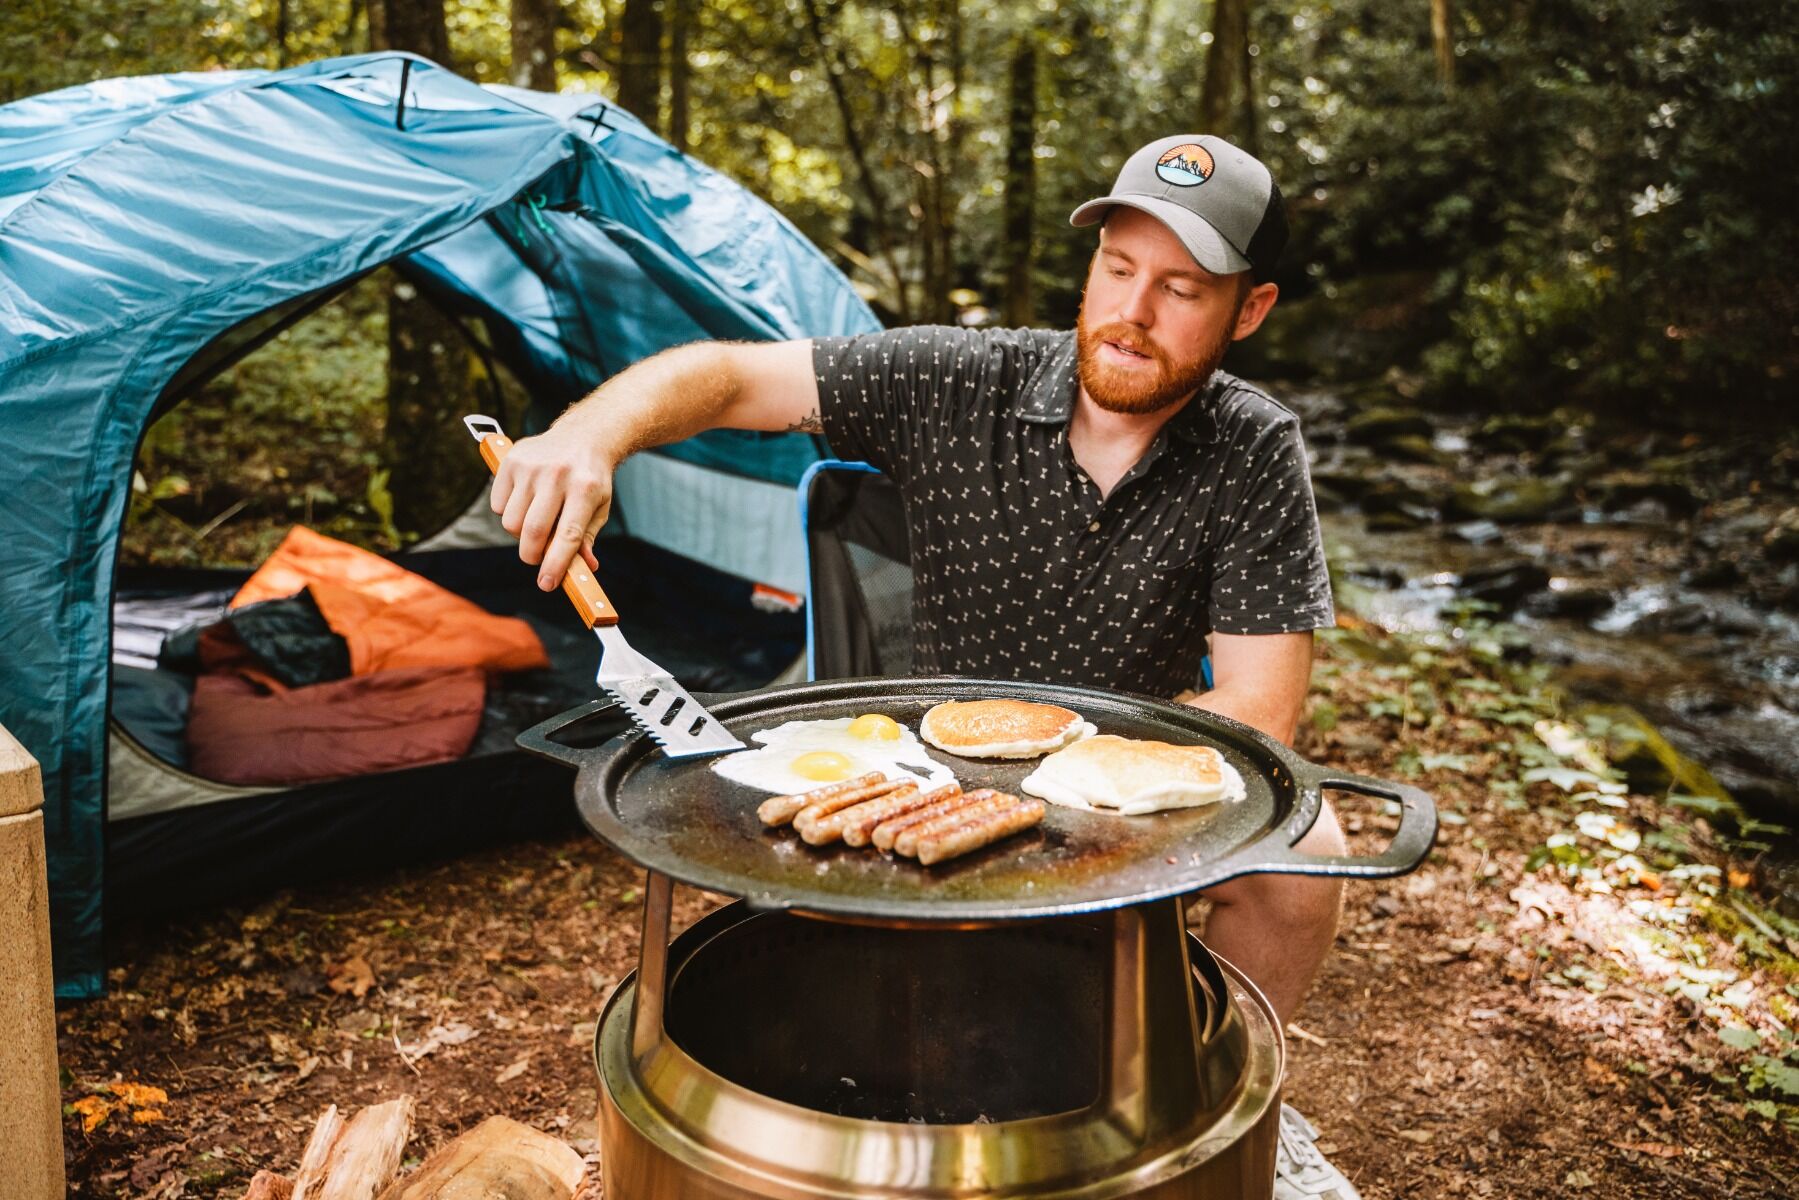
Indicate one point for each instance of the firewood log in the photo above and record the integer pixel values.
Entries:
(497, 1158)
(354, 1160)
(266, 1185)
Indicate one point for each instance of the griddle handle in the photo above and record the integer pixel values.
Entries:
(1416, 835)
(541, 740)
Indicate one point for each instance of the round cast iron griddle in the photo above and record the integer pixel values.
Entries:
(678, 817)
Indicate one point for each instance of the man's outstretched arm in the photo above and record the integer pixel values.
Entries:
(554, 491)
(1260, 680)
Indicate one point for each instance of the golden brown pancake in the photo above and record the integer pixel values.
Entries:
(1133, 777)
(1001, 728)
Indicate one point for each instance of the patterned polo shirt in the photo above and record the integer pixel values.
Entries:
(1021, 570)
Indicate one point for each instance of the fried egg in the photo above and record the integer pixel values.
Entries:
(801, 755)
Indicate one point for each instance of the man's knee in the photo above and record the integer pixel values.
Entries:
(1302, 901)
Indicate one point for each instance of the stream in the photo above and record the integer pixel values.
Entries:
(1650, 569)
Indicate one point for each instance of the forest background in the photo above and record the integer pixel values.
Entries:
(1523, 205)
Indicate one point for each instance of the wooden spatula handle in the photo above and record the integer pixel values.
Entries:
(578, 583)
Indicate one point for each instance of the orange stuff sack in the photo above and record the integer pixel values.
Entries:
(389, 616)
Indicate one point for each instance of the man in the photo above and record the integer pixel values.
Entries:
(1083, 507)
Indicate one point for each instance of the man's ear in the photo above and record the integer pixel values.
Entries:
(1256, 306)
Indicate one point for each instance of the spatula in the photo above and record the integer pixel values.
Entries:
(663, 708)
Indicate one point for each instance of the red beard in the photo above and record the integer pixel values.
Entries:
(1123, 390)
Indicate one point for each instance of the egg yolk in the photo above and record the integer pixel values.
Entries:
(825, 766)
(875, 727)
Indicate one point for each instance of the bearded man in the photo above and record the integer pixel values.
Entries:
(1096, 507)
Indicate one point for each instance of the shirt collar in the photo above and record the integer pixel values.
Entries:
(1049, 392)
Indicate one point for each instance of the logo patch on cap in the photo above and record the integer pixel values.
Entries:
(1187, 165)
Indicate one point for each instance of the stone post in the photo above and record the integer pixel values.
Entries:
(31, 1166)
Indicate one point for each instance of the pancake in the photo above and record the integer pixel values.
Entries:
(1001, 728)
(1133, 777)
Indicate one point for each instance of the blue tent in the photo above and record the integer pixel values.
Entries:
(149, 227)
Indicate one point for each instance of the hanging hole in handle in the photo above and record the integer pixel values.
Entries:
(1369, 822)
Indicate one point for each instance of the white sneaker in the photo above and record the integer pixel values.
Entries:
(1300, 1172)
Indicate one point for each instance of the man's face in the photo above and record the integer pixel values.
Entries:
(1154, 324)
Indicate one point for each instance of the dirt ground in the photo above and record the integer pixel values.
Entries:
(1454, 1044)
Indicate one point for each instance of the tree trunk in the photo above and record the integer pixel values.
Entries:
(1021, 181)
(640, 61)
(835, 72)
(281, 20)
(1227, 70)
(415, 25)
(431, 475)
(1442, 16)
(680, 18)
(534, 43)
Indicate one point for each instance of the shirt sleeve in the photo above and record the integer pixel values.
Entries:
(1269, 573)
(882, 396)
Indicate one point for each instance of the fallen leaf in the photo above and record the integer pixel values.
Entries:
(1419, 1137)
(514, 1071)
(453, 1034)
(353, 976)
(1740, 879)
(1658, 1149)
(93, 1111)
(1578, 1178)
(138, 1095)
(148, 1116)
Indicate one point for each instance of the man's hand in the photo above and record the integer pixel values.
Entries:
(553, 493)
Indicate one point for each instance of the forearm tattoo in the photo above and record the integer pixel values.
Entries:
(812, 422)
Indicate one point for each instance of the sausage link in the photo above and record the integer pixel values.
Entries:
(907, 842)
(981, 831)
(883, 835)
(824, 828)
(778, 810)
(824, 808)
(860, 821)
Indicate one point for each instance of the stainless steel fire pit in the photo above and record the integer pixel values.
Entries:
(1033, 1021)
(772, 1055)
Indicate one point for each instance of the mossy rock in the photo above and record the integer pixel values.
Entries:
(1516, 433)
(1377, 426)
(1650, 763)
(1411, 447)
(1512, 500)
(1618, 490)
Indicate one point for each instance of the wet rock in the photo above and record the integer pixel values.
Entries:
(1574, 603)
(1719, 573)
(1762, 796)
(1379, 426)
(1512, 433)
(1397, 520)
(1617, 491)
(1504, 585)
(1477, 533)
(1411, 447)
(1691, 616)
(1649, 761)
(1781, 542)
(1394, 495)
(1513, 500)
(1375, 575)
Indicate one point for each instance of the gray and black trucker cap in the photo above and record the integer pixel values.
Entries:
(1219, 201)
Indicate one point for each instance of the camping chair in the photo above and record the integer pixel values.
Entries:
(859, 574)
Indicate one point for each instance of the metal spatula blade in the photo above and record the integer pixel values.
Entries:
(658, 705)
(661, 707)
